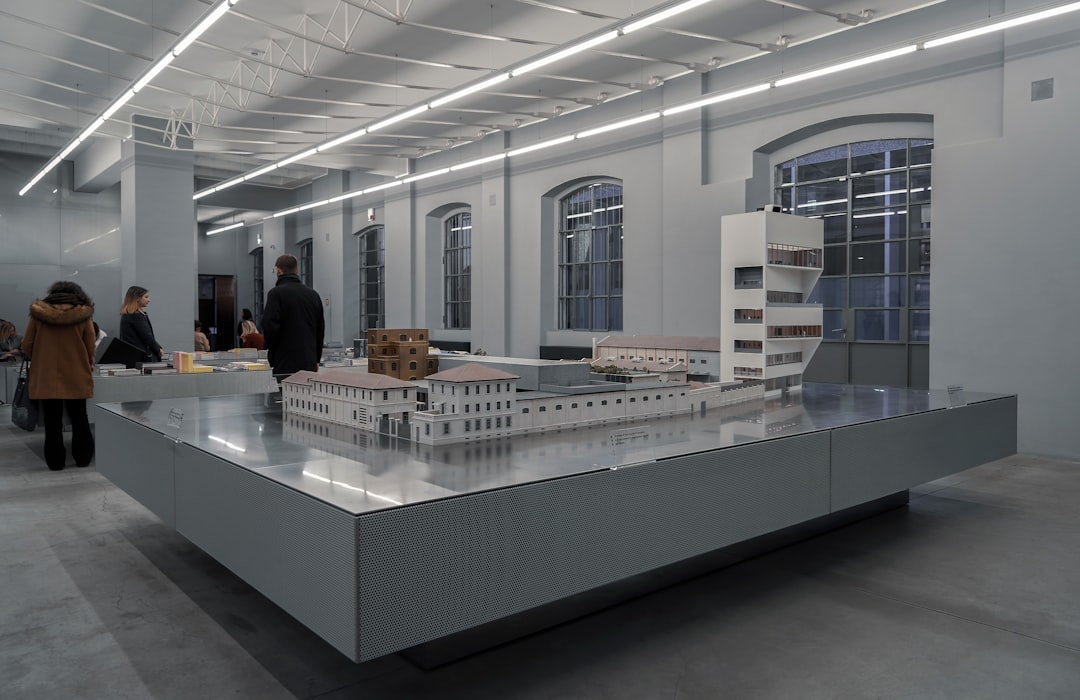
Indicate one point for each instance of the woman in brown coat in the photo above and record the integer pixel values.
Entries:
(59, 341)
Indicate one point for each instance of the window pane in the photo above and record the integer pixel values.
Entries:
(882, 190)
(919, 220)
(831, 162)
(876, 225)
(599, 319)
(921, 150)
(876, 258)
(920, 185)
(920, 255)
(877, 291)
(821, 197)
(783, 198)
(785, 173)
(830, 292)
(919, 326)
(833, 324)
(835, 260)
(599, 278)
(599, 242)
(836, 227)
(920, 290)
(878, 155)
(877, 324)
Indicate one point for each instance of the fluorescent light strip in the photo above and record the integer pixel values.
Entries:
(286, 212)
(866, 60)
(423, 176)
(149, 75)
(538, 146)
(230, 227)
(569, 51)
(478, 161)
(661, 16)
(347, 195)
(1006, 24)
(618, 125)
(340, 140)
(877, 214)
(716, 98)
(299, 156)
(884, 194)
(207, 21)
(821, 204)
(470, 90)
(398, 117)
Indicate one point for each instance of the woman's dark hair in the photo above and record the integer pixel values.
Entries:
(245, 315)
(197, 324)
(71, 290)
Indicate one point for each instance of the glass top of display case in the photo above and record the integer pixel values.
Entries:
(359, 471)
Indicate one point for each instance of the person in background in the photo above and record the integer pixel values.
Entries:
(202, 343)
(245, 316)
(293, 322)
(135, 328)
(99, 334)
(59, 341)
(9, 340)
(250, 337)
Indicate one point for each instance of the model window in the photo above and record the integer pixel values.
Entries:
(489, 405)
(618, 401)
(386, 396)
(590, 243)
(487, 424)
(874, 199)
(524, 410)
(457, 270)
(573, 405)
(405, 394)
(603, 403)
(508, 421)
(412, 365)
(467, 426)
(498, 422)
(446, 428)
(372, 281)
(427, 428)
(543, 409)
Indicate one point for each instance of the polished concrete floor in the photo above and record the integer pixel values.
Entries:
(972, 591)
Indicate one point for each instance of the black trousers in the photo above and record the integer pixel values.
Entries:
(82, 439)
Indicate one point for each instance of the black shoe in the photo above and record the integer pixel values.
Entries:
(82, 465)
(55, 469)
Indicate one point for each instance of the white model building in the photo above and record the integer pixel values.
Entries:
(771, 262)
(699, 354)
(372, 402)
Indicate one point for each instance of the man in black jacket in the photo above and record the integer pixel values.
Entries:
(293, 323)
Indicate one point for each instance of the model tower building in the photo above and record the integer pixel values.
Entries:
(770, 263)
(401, 353)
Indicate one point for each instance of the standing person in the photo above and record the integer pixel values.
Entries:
(59, 341)
(293, 323)
(135, 327)
(250, 337)
(202, 343)
(245, 317)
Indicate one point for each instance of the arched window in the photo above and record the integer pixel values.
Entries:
(257, 283)
(372, 279)
(457, 270)
(874, 199)
(590, 243)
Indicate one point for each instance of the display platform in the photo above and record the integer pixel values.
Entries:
(379, 544)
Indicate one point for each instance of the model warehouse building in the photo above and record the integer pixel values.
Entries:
(941, 176)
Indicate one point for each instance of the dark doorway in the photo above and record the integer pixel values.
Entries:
(217, 310)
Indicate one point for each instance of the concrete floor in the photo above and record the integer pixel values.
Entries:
(972, 591)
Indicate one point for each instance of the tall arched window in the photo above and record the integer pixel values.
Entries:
(874, 198)
(590, 242)
(257, 284)
(457, 270)
(306, 263)
(372, 280)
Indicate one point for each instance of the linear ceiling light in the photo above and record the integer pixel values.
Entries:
(424, 176)
(1006, 24)
(401, 116)
(344, 138)
(865, 60)
(230, 227)
(143, 80)
(662, 15)
(477, 87)
(569, 51)
(716, 98)
(619, 125)
(299, 156)
(478, 161)
(538, 146)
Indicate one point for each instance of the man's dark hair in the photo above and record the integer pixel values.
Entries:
(286, 263)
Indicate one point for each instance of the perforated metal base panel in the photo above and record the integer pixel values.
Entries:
(295, 550)
(138, 460)
(871, 460)
(437, 568)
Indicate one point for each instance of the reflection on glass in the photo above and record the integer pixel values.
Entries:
(919, 326)
(877, 258)
(920, 290)
(881, 224)
(883, 324)
(830, 292)
(835, 260)
(877, 291)
(833, 325)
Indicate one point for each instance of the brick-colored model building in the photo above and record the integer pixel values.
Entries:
(401, 353)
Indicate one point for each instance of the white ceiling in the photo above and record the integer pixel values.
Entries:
(275, 76)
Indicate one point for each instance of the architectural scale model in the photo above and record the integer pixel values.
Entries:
(771, 262)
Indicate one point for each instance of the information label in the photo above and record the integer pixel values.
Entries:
(624, 438)
(956, 395)
(176, 417)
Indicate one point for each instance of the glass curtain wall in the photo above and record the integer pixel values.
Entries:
(306, 263)
(590, 243)
(372, 284)
(874, 199)
(457, 271)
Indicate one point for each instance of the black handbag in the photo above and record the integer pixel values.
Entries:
(24, 410)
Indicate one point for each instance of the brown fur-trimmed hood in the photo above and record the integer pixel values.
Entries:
(61, 314)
